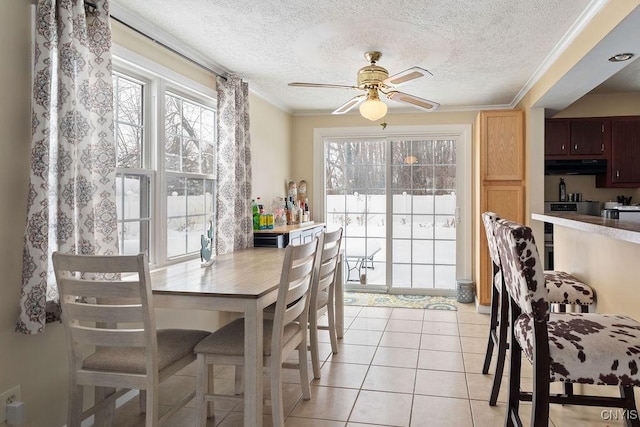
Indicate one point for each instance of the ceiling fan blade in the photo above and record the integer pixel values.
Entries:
(406, 76)
(300, 84)
(349, 104)
(421, 103)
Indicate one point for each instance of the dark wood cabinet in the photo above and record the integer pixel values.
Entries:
(556, 138)
(587, 138)
(576, 138)
(624, 164)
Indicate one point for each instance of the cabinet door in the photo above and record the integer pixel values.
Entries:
(625, 151)
(502, 155)
(295, 238)
(587, 138)
(556, 137)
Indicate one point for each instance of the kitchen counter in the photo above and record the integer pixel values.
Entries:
(281, 229)
(613, 228)
(281, 236)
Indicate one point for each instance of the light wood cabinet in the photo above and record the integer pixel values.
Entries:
(501, 182)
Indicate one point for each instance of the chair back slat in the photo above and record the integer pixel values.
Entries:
(84, 312)
(99, 263)
(100, 288)
(108, 337)
(522, 268)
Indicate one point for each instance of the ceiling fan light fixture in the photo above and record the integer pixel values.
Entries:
(373, 109)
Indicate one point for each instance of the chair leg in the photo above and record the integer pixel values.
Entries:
(202, 388)
(512, 417)
(74, 407)
(331, 316)
(304, 370)
(152, 407)
(238, 380)
(313, 337)
(493, 326)
(277, 405)
(503, 330)
(104, 415)
(627, 394)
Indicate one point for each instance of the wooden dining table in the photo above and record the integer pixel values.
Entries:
(245, 282)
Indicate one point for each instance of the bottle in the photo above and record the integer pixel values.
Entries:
(563, 190)
(256, 214)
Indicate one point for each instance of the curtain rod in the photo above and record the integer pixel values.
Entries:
(91, 6)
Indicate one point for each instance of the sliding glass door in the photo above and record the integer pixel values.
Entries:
(396, 199)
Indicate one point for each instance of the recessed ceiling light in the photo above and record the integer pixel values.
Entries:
(620, 57)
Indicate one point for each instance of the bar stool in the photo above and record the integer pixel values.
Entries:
(563, 290)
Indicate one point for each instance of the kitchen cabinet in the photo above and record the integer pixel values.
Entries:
(501, 185)
(623, 169)
(280, 237)
(578, 138)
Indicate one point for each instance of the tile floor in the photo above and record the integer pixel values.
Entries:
(395, 367)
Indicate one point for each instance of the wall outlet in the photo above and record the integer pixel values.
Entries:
(6, 398)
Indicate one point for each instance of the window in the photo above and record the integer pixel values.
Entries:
(165, 150)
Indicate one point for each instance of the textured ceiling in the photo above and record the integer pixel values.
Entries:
(482, 53)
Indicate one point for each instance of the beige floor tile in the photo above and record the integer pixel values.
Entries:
(480, 387)
(440, 360)
(440, 411)
(346, 375)
(347, 321)
(351, 310)
(355, 336)
(365, 425)
(309, 422)
(441, 383)
(475, 318)
(474, 362)
(440, 342)
(439, 328)
(400, 339)
(407, 314)
(440, 316)
(327, 403)
(473, 345)
(391, 409)
(235, 419)
(399, 325)
(470, 307)
(351, 353)
(369, 323)
(398, 357)
(376, 312)
(474, 330)
(485, 415)
(385, 378)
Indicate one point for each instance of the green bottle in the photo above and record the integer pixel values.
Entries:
(256, 214)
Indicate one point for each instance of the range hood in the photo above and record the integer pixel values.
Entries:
(575, 167)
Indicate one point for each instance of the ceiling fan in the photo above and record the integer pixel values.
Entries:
(373, 79)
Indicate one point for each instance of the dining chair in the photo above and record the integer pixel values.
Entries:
(283, 334)
(563, 290)
(112, 339)
(323, 294)
(583, 348)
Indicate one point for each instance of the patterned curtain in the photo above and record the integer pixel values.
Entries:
(71, 203)
(234, 226)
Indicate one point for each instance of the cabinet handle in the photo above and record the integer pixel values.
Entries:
(575, 147)
(602, 148)
(617, 174)
(562, 148)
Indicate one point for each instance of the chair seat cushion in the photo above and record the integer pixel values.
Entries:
(229, 340)
(565, 289)
(587, 348)
(173, 345)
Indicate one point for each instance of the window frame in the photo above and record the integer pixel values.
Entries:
(158, 81)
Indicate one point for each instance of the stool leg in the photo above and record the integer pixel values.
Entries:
(503, 329)
(493, 327)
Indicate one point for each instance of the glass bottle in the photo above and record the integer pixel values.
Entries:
(562, 190)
